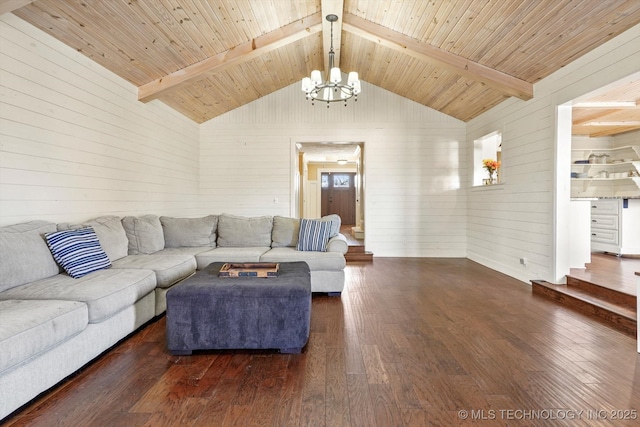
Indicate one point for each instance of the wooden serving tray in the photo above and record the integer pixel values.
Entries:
(249, 269)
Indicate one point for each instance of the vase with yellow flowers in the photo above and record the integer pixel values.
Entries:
(492, 167)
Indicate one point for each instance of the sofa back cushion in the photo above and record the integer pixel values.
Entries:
(24, 254)
(144, 234)
(110, 232)
(239, 231)
(285, 232)
(189, 232)
(335, 221)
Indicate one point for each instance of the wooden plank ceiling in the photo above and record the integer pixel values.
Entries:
(204, 58)
(615, 111)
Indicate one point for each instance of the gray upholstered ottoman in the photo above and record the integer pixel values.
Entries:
(210, 312)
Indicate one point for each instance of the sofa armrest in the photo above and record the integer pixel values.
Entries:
(338, 244)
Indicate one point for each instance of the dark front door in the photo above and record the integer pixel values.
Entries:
(339, 195)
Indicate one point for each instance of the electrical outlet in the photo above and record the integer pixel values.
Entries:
(275, 200)
(523, 261)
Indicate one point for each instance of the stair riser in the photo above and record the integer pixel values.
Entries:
(356, 257)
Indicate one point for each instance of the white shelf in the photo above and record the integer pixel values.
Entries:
(602, 179)
(631, 148)
(621, 161)
(630, 163)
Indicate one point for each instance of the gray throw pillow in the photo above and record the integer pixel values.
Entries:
(144, 234)
(189, 232)
(242, 232)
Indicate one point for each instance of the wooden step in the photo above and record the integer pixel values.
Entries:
(611, 307)
(356, 257)
(607, 294)
(356, 253)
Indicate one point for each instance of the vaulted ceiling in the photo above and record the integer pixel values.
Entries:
(204, 57)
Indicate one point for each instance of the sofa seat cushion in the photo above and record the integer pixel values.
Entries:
(327, 261)
(28, 328)
(230, 255)
(169, 269)
(106, 292)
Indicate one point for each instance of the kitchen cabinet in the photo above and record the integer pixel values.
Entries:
(579, 233)
(615, 226)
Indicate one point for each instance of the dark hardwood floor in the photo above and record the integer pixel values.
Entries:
(411, 342)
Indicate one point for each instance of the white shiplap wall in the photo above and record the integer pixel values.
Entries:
(516, 219)
(414, 164)
(75, 143)
(627, 138)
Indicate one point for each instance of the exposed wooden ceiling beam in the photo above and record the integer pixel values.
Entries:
(399, 42)
(244, 52)
(11, 5)
(608, 105)
(595, 132)
(335, 7)
(604, 114)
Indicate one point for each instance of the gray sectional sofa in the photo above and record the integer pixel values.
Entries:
(52, 324)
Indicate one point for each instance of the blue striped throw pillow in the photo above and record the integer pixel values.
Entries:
(77, 251)
(314, 235)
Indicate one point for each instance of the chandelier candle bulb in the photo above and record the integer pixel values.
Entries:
(316, 77)
(356, 88)
(335, 75)
(306, 84)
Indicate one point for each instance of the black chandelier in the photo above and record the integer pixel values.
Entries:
(331, 90)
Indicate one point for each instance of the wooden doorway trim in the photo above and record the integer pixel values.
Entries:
(299, 180)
